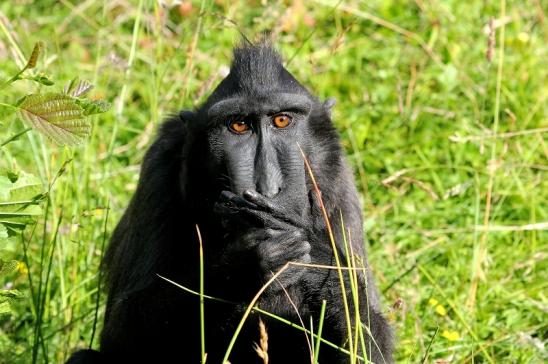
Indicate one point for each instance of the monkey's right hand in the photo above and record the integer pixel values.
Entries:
(274, 237)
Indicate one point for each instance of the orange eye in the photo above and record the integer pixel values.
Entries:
(282, 121)
(238, 127)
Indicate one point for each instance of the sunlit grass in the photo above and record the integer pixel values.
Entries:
(417, 102)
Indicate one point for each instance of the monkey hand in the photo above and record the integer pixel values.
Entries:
(275, 236)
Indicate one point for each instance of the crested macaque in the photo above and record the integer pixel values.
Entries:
(235, 167)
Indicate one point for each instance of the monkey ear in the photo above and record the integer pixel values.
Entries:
(328, 105)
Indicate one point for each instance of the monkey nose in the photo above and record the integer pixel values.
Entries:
(269, 190)
(269, 180)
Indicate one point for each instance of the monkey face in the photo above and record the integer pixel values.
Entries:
(254, 131)
(257, 143)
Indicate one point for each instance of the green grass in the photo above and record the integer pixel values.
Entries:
(450, 152)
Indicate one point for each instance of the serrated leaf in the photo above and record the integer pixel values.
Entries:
(58, 116)
(18, 185)
(11, 293)
(19, 201)
(92, 107)
(77, 88)
(7, 267)
(4, 307)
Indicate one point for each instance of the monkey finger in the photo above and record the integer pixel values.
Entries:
(259, 200)
(224, 209)
(252, 238)
(275, 210)
(231, 218)
(267, 220)
(234, 213)
(231, 199)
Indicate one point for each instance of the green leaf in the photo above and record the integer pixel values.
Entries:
(77, 88)
(92, 107)
(7, 267)
(3, 234)
(20, 200)
(4, 307)
(12, 175)
(11, 293)
(41, 79)
(58, 116)
(5, 297)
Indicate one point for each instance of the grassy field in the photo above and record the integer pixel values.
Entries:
(442, 107)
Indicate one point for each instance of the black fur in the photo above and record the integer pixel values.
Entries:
(254, 203)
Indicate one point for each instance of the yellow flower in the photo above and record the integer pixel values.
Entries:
(441, 310)
(450, 335)
(22, 268)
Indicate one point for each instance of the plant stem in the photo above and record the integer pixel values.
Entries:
(13, 79)
(8, 106)
(13, 137)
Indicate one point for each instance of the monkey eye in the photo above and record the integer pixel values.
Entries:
(238, 126)
(282, 121)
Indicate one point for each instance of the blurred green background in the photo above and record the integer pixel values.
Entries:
(445, 129)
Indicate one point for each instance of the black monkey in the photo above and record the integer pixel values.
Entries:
(234, 167)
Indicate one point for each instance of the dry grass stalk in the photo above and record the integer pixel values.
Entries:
(490, 40)
(262, 348)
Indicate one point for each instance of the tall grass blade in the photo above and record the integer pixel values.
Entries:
(335, 252)
(202, 313)
(319, 334)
